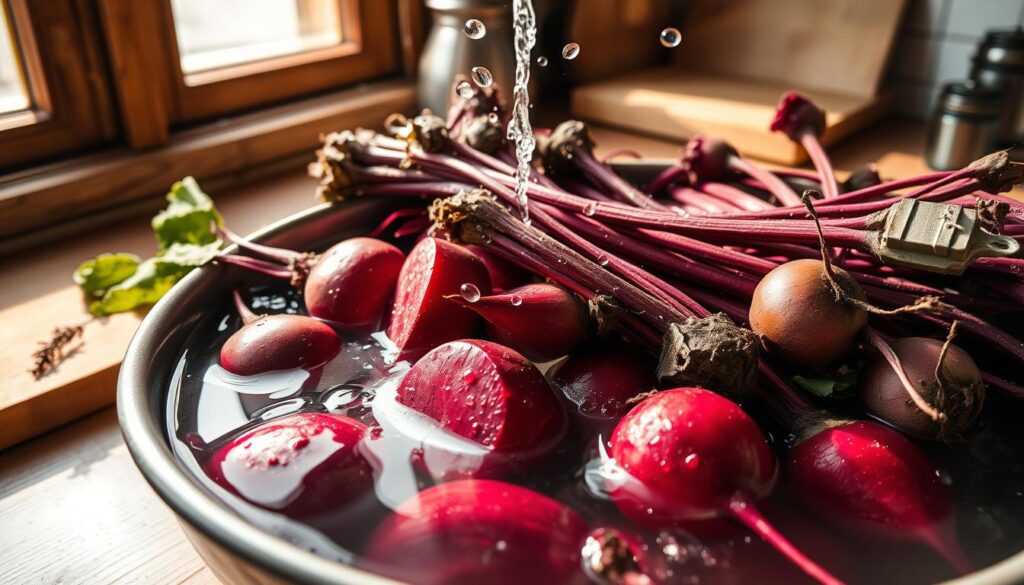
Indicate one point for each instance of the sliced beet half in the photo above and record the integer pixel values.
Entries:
(421, 317)
(489, 394)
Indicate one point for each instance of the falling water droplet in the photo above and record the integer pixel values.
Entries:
(470, 292)
(464, 89)
(516, 300)
(474, 29)
(542, 61)
(590, 209)
(482, 76)
(570, 51)
(492, 118)
(670, 37)
(944, 477)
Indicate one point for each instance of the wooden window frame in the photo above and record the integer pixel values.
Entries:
(151, 107)
(62, 66)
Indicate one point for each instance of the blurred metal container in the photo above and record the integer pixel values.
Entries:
(448, 51)
(999, 62)
(964, 125)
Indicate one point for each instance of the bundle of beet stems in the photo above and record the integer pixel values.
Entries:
(675, 265)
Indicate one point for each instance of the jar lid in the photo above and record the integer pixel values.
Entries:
(970, 97)
(1001, 49)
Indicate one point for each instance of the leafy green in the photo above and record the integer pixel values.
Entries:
(844, 381)
(187, 217)
(150, 282)
(104, 271)
(122, 282)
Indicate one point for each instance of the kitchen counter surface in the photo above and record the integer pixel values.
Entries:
(73, 508)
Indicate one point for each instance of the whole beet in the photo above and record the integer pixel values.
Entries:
(351, 284)
(302, 465)
(473, 531)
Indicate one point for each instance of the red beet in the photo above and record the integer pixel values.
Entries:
(278, 342)
(795, 312)
(600, 381)
(421, 316)
(351, 284)
(302, 465)
(504, 274)
(489, 394)
(480, 531)
(542, 321)
(693, 455)
(870, 480)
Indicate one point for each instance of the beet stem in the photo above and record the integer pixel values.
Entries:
(776, 186)
(247, 315)
(742, 508)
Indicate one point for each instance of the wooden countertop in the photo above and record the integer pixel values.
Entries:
(73, 508)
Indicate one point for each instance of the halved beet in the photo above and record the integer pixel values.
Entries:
(480, 531)
(421, 316)
(302, 465)
(351, 284)
(487, 393)
(279, 342)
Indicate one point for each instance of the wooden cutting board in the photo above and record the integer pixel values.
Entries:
(736, 60)
(674, 104)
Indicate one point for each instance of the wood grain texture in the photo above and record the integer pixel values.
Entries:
(75, 510)
(837, 46)
(674, 104)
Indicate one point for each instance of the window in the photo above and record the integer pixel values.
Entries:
(261, 29)
(77, 76)
(13, 95)
(52, 97)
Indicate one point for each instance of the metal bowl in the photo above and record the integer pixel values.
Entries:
(236, 551)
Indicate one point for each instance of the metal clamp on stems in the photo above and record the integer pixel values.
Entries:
(935, 236)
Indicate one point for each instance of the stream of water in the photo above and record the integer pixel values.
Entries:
(519, 130)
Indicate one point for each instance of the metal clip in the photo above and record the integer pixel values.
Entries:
(937, 237)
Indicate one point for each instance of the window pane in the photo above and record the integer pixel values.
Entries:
(219, 34)
(13, 96)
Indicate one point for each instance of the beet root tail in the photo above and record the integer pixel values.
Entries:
(742, 508)
(948, 548)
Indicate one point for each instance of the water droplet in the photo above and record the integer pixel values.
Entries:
(516, 300)
(501, 545)
(603, 261)
(482, 76)
(542, 61)
(570, 51)
(944, 477)
(590, 209)
(670, 37)
(692, 460)
(464, 89)
(470, 292)
(469, 376)
(492, 118)
(474, 29)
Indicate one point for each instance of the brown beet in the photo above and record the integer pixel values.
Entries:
(959, 397)
(795, 312)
